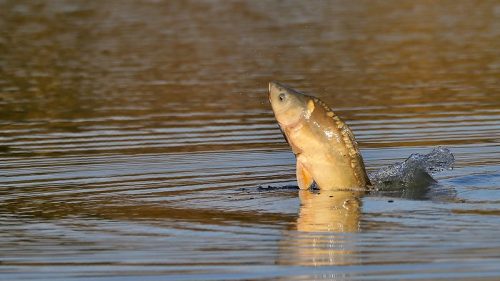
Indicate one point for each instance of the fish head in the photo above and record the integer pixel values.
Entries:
(289, 106)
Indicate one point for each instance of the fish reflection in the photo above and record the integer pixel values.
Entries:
(329, 211)
(324, 226)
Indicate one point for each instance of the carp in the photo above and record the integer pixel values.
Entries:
(326, 151)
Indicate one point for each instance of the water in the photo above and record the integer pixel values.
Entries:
(414, 173)
(135, 136)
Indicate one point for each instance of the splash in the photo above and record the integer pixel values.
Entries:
(415, 171)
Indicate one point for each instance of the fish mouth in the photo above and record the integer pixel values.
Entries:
(273, 88)
(269, 92)
(272, 85)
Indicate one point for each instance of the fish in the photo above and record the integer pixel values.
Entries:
(325, 149)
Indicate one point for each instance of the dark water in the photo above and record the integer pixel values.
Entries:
(134, 136)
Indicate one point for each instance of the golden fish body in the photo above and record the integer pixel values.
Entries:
(324, 146)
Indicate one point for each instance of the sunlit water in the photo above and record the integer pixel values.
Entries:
(134, 137)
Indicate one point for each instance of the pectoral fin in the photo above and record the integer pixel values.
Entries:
(304, 178)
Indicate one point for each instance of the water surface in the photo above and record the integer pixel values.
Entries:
(135, 135)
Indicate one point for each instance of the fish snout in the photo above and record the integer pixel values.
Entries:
(272, 87)
(275, 89)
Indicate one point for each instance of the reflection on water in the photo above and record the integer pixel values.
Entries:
(327, 211)
(134, 135)
(323, 221)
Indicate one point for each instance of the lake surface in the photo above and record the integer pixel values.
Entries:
(134, 136)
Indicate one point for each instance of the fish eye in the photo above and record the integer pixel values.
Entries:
(282, 97)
